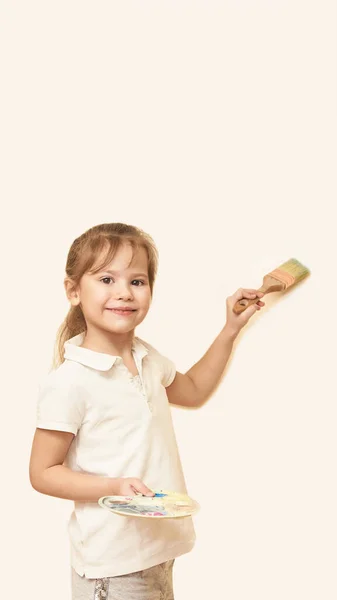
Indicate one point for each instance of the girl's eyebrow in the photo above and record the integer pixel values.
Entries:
(134, 273)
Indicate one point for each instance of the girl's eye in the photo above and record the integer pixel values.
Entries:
(137, 280)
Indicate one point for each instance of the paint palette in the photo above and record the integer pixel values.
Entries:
(163, 505)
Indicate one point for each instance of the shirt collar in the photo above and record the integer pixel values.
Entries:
(93, 359)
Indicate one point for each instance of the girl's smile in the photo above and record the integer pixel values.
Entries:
(122, 312)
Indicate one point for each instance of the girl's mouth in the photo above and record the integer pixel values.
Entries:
(122, 312)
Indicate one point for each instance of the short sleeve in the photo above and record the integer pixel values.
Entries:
(168, 370)
(166, 367)
(59, 407)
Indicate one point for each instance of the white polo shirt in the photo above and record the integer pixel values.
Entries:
(123, 428)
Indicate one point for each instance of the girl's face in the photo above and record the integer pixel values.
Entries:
(118, 286)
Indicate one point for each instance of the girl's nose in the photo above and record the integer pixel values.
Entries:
(124, 292)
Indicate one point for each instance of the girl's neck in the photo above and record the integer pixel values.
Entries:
(114, 344)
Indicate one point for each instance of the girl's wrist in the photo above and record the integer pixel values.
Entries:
(112, 486)
(230, 332)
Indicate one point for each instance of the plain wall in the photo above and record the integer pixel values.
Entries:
(212, 126)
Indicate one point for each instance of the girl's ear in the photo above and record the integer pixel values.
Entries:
(71, 291)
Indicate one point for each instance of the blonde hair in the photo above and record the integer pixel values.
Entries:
(83, 254)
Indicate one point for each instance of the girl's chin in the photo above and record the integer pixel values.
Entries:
(122, 322)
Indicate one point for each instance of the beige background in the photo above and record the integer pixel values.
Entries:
(211, 125)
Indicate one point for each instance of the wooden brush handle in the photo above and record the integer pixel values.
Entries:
(270, 284)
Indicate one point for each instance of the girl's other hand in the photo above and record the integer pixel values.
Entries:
(130, 486)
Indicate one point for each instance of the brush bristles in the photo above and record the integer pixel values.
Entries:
(290, 272)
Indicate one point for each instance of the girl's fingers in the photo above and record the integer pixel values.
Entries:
(260, 305)
(251, 293)
(244, 294)
(240, 294)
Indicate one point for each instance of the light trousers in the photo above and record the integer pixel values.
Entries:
(155, 583)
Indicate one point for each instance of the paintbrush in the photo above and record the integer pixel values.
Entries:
(280, 279)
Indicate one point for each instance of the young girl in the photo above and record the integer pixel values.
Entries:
(104, 424)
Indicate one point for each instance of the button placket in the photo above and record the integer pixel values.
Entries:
(138, 381)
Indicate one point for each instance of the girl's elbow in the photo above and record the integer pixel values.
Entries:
(35, 480)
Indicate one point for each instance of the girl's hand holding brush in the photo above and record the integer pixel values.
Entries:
(235, 322)
(243, 304)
